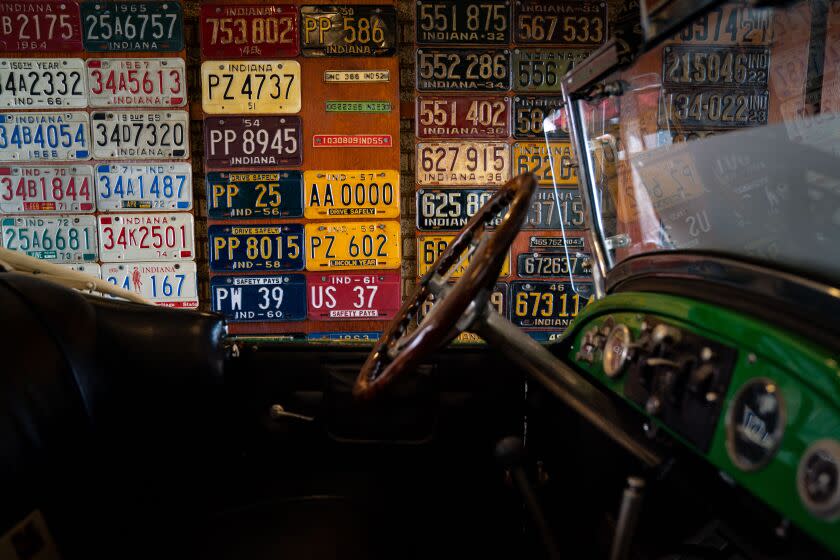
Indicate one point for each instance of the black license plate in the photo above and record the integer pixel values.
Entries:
(713, 108)
(569, 24)
(553, 264)
(542, 70)
(348, 30)
(529, 112)
(463, 69)
(716, 66)
(256, 248)
(450, 209)
(260, 298)
(544, 304)
(270, 194)
(547, 214)
(133, 26)
(455, 22)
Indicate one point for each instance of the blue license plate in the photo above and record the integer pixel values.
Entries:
(133, 26)
(260, 298)
(256, 248)
(269, 194)
(126, 188)
(44, 136)
(344, 336)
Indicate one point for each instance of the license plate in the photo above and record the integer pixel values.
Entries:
(463, 163)
(713, 65)
(669, 176)
(455, 22)
(86, 268)
(50, 83)
(342, 296)
(578, 24)
(126, 187)
(352, 245)
(357, 76)
(348, 30)
(358, 106)
(553, 264)
(141, 134)
(252, 141)
(529, 112)
(271, 194)
(168, 284)
(463, 70)
(248, 31)
(547, 214)
(61, 239)
(450, 209)
(463, 117)
(262, 86)
(133, 26)
(555, 241)
(46, 190)
(498, 299)
(129, 82)
(260, 298)
(430, 247)
(364, 336)
(533, 157)
(40, 25)
(44, 136)
(730, 23)
(541, 304)
(542, 70)
(351, 194)
(146, 237)
(257, 248)
(713, 108)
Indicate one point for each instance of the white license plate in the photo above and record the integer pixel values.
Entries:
(136, 188)
(50, 83)
(465, 163)
(46, 189)
(44, 136)
(140, 134)
(168, 284)
(86, 268)
(146, 237)
(61, 239)
(131, 82)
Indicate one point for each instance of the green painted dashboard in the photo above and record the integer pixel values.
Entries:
(805, 376)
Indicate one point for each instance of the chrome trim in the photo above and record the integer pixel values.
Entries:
(579, 79)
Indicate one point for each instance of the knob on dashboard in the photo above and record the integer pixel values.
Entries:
(818, 479)
(617, 350)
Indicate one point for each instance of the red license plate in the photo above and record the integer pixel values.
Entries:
(445, 116)
(132, 82)
(249, 31)
(249, 142)
(353, 296)
(40, 25)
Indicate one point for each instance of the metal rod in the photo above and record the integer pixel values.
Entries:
(628, 518)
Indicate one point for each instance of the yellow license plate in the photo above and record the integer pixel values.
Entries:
(533, 157)
(267, 87)
(352, 245)
(351, 194)
(430, 247)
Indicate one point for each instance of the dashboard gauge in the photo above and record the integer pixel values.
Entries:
(617, 350)
(755, 424)
(818, 479)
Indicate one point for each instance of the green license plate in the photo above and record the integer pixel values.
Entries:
(133, 26)
(358, 106)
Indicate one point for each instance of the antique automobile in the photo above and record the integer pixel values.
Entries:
(690, 411)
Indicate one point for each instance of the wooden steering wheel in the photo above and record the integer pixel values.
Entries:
(457, 306)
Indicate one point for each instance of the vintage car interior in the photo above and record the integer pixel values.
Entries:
(691, 411)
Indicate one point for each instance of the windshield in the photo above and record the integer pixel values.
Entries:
(725, 139)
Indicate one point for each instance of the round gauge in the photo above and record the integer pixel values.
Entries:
(616, 350)
(818, 479)
(755, 423)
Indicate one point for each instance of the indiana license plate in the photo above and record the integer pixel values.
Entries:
(259, 298)
(248, 31)
(42, 83)
(463, 117)
(545, 304)
(347, 30)
(430, 247)
(352, 295)
(529, 112)
(544, 22)
(542, 70)
(450, 209)
(271, 194)
(41, 25)
(560, 209)
(498, 299)
(141, 134)
(713, 108)
(146, 237)
(715, 65)
(550, 264)
(130, 82)
(256, 248)
(463, 163)
(130, 187)
(230, 87)
(61, 239)
(133, 26)
(352, 245)
(248, 142)
(455, 22)
(46, 190)
(351, 194)
(731, 23)
(85, 268)
(345, 337)
(168, 284)
(533, 157)
(463, 70)
(44, 136)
